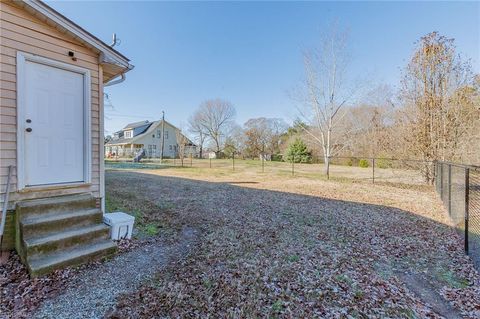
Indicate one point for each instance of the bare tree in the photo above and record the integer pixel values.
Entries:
(326, 90)
(182, 142)
(215, 117)
(263, 135)
(197, 129)
(235, 140)
(367, 126)
(439, 91)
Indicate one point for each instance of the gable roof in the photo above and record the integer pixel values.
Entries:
(115, 62)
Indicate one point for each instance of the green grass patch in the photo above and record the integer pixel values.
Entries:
(293, 258)
(144, 225)
(151, 229)
(132, 165)
(452, 280)
(277, 306)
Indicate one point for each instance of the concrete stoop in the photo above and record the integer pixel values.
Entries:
(62, 231)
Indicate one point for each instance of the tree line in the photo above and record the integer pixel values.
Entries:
(433, 115)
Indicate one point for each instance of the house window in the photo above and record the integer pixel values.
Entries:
(159, 133)
(170, 147)
(166, 135)
(152, 149)
(128, 134)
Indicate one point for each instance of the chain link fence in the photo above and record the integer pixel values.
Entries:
(459, 188)
(457, 185)
(386, 171)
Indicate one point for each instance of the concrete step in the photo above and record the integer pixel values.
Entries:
(75, 256)
(55, 241)
(57, 204)
(36, 225)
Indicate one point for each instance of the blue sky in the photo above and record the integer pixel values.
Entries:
(250, 53)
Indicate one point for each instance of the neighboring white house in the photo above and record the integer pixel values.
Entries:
(147, 136)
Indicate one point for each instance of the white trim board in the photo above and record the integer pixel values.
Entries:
(108, 54)
(22, 58)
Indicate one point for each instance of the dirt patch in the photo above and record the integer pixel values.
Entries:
(427, 293)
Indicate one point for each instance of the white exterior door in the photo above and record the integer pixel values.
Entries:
(54, 125)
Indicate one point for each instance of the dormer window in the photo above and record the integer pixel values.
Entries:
(128, 134)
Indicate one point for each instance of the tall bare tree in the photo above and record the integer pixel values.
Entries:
(326, 90)
(215, 117)
(196, 128)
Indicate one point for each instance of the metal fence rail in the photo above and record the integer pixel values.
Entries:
(459, 188)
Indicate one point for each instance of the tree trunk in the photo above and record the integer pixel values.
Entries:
(326, 165)
(218, 146)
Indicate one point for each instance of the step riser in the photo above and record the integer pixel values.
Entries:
(104, 253)
(65, 243)
(52, 208)
(57, 232)
(41, 228)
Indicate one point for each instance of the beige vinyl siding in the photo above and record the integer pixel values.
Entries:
(21, 31)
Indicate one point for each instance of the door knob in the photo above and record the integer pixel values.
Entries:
(29, 129)
(29, 121)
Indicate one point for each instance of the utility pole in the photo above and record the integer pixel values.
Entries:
(163, 136)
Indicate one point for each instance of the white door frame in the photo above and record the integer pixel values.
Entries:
(22, 58)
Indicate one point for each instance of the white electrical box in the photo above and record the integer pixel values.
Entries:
(121, 225)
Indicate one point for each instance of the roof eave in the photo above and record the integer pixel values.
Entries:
(108, 55)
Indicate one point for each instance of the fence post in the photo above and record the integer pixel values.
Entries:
(373, 170)
(263, 158)
(293, 164)
(441, 182)
(210, 162)
(233, 160)
(191, 160)
(449, 190)
(467, 203)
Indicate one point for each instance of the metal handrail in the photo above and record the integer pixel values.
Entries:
(5, 205)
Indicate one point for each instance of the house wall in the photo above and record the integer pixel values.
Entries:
(21, 31)
(150, 138)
